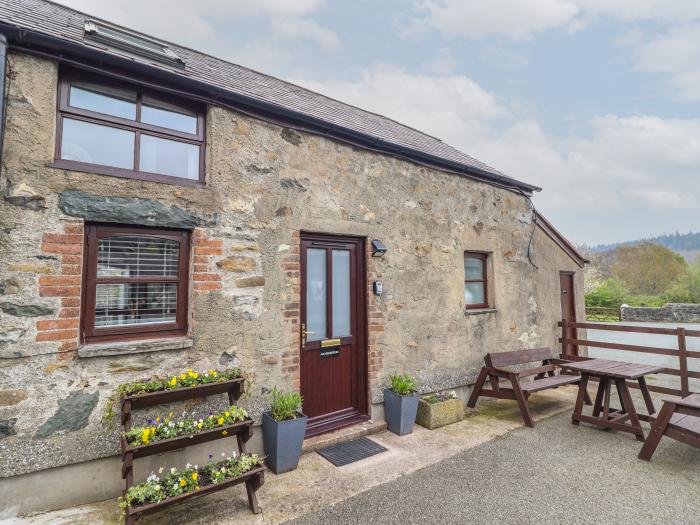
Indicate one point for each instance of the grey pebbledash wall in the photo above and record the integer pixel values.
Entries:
(669, 313)
(265, 184)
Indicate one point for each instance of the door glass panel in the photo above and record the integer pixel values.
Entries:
(473, 268)
(341, 293)
(474, 293)
(315, 294)
(95, 144)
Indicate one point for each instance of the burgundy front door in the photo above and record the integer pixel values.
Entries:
(333, 328)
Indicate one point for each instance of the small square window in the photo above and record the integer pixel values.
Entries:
(475, 280)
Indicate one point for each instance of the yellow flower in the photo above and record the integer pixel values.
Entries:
(182, 376)
(213, 372)
(224, 433)
(220, 421)
(199, 425)
(196, 487)
(227, 414)
(194, 476)
(183, 483)
(170, 414)
(195, 375)
(173, 381)
(158, 419)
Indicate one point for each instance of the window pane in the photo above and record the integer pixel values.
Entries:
(167, 115)
(316, 294)
(137, 256)
(87, 142)
(341, 293)
(135, 304)
(473, 268)
(474, 293)
(169, 157)
(103, 99)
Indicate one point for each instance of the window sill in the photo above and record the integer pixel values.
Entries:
(135, 347)
(97, 169)
(478, 311)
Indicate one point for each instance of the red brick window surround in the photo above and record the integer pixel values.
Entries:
(136, 282)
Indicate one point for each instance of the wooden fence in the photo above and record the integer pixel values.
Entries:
(681, 352)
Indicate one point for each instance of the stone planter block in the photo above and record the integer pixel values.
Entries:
(439, 414)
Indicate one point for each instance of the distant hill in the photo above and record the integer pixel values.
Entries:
(686, 244)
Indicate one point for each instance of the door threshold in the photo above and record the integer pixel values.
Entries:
(353, 430)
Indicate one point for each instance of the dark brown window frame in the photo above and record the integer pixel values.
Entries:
(89, 333)
(484, 259)
(64, 109)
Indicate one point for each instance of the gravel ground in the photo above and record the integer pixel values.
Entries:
(556, 473)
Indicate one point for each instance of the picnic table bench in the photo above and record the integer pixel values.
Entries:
(507, 384)
(678, 419)
(608, 372)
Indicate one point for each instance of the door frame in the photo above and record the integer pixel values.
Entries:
(574, 331)
(335, 420)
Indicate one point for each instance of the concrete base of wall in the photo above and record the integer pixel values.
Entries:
(100, 479)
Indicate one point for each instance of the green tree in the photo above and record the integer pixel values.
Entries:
(610, 294)
(648, 268)
(686, 287)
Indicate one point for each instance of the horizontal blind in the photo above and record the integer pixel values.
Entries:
(128, 304)
(137, 256)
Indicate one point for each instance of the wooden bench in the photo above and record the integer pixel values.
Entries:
(679, 419)
(507, 384)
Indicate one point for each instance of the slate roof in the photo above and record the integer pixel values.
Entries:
(22, 19)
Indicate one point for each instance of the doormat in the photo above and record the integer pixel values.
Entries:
(345, 453)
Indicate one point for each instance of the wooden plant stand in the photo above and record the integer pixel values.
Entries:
(243, 430)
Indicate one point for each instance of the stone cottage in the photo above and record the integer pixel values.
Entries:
(162, 210)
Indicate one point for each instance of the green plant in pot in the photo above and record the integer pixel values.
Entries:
(400, 404)
(284, 427)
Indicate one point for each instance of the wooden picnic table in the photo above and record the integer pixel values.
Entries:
(609, 372)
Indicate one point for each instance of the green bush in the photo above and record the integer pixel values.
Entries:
(402, 384)
(285, 405)
(686, 288)
(611, 294)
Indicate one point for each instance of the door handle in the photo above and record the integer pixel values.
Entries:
(304, 333)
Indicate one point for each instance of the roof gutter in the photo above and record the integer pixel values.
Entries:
(62, 50)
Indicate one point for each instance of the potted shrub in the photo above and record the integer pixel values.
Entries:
(284, 427)
(438, 410)
(400, 404)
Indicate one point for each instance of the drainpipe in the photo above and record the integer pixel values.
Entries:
(3, 67)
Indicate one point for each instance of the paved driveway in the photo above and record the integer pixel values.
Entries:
(556, 473)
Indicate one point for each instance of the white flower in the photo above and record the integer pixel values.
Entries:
(188, 465)
(173, 470)
(157, 487)
(160, 470)
(223, 455)
(175, 486)
(196, 467)
(152, 477)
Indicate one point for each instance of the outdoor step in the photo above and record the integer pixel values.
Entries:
(365, 428)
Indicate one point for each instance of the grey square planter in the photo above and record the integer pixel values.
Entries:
(400, 412)
(282, 441)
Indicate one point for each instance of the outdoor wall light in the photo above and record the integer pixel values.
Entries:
(378, 248)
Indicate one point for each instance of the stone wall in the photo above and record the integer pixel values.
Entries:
(265, 184)
(668, 313)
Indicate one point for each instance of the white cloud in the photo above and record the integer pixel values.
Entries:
(519, 20)
(676, 53)
(637, 168)
(294, 27)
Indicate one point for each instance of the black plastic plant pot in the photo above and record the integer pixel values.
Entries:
(282, 441)
(400, 412)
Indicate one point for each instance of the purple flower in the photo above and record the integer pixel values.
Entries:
(210, 456)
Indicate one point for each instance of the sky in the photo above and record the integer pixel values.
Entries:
(596, 101)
